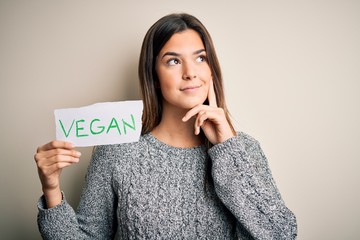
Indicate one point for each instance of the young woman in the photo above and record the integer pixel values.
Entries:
(190, 176)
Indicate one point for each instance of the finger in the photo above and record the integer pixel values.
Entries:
(49, 170)
(194, 111)
(57, 159)
(57, 154)
(201, 117)
(211, 95)
(55, 164)
(204, 117)
(60, 152)
(216, 116)
(56, 144)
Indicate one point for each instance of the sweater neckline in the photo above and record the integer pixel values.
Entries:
(163, 146)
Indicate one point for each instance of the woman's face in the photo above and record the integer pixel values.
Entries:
(183, 71)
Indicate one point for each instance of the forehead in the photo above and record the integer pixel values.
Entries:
(188, 40)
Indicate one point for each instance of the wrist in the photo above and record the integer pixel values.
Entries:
(53, 197)
(227, 136)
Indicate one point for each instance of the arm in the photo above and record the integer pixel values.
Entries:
(95, 217)
(244, 183)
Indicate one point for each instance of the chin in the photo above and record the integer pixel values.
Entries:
(192, 104)
(185, 102)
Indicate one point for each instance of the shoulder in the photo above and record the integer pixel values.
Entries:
(251, 145)
(248, 141)
(253, 149)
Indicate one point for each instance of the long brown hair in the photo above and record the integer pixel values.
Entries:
(156, 37)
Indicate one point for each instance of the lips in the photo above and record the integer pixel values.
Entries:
(189, 88)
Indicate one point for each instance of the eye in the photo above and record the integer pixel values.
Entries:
(201, 58)
(173, 62)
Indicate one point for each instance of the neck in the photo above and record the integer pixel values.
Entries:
(174, 132)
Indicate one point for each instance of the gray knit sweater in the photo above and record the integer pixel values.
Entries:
(150, 190)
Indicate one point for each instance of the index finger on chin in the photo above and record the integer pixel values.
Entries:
(211, 94)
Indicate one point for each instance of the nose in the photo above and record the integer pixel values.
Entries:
(189, 72)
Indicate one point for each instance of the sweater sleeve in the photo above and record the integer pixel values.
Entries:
(244, 183)
(95, 216)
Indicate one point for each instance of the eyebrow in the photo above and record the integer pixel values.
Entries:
(177, 54)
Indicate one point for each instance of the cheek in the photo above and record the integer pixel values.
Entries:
(163, 77)
(166, 80)
(169, 78)
(205, 72)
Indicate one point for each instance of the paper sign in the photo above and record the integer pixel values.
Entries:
(100, 123)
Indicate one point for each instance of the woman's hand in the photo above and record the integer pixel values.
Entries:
(50, 159)
(211, 119)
